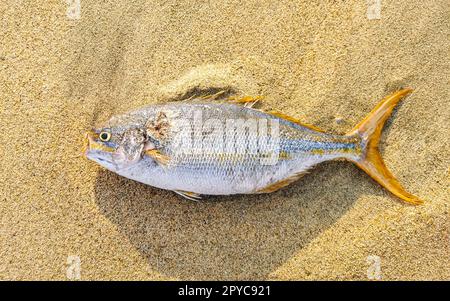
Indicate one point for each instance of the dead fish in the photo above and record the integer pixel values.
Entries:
(208, 147)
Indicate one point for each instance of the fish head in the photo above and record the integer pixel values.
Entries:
(117, 144)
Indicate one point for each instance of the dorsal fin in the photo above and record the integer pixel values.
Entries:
(294, 120)
(248, 101)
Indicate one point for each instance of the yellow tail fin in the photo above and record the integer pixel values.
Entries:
(369, 129)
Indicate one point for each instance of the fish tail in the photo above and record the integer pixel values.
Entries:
(370, 129)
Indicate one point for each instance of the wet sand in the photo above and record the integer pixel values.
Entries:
(326, 62)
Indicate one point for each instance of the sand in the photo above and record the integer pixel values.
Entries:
(325, 62)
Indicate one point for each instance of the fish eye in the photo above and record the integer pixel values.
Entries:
(105, 136)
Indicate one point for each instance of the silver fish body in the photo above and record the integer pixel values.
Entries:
(223, 148)
(205, 147)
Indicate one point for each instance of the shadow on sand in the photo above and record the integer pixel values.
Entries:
(234, 237)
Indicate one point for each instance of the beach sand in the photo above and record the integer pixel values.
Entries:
(327, 63)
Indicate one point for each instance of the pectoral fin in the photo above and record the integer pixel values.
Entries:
(156, 155)
(189, 195)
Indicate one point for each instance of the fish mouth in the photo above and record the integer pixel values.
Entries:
(86, 143)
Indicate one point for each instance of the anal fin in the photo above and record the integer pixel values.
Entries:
(282, 183)
(156, 155)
